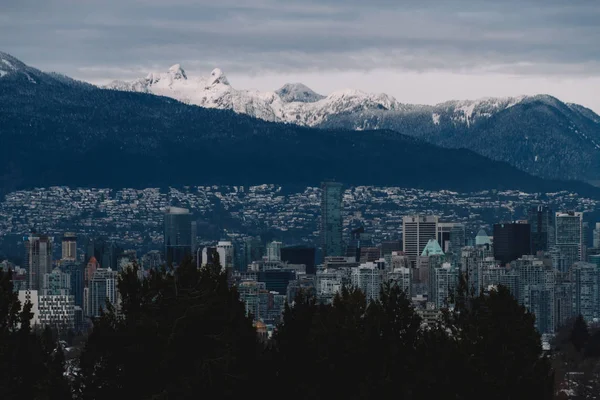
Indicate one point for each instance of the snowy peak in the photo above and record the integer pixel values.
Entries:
(293, 103)
(298, 104)
(298, 92)
(217, 77)
(177, 73)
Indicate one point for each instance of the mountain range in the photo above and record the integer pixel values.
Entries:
(537, 134)
(58, 131)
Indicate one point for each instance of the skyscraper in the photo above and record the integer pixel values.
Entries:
(300, 255)
(541, 222)
(177, 234)
(102, 288)
(511, 241)
(331, 219)
(69, 247)
(568, 246)
(38, 256)
(597, 236)
(586, 290)
(274, 251)
(457, 238)
(76, 272)
(416, 231)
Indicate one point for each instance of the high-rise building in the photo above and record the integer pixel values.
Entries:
(38, 256)
(102, 288)
(105, 251)
(402, 277)
(445, 232)
(55, 311)
(541, 222)
(69, 247)
(277, 280)
(416, 231)
(300, 255)
(444, 283)
(568, 236)
(596, 237)
(210, 256)
(178, 234)
(367, 277)
(457, 238)
(274, 251)
(331, 219)
(225, 250)
(57, 283)
(511, 241)
(253, 250)
(76, 273)
(586, 290)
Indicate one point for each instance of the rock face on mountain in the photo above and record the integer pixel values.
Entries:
(56, 131)
(538, 134)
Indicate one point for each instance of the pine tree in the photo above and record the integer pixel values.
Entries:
(499, 348)
(179, 333)
(30, 368)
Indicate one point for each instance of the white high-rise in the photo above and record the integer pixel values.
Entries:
(416, 232)
(569, 240)
(367, 277)
(274, 251)
(69, 247)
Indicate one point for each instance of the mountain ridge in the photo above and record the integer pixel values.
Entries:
(534, 121)
(59, 132)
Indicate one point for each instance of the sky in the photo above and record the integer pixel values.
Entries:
(419, 51)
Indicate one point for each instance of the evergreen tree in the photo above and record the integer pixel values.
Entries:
(179, 333)
(498, 347)
(30, 366)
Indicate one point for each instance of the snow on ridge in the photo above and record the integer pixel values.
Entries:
(308, 108)
(7, 63)
(298, 104)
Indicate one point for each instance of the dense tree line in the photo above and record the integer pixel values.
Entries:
(185, 334)
(31, 363)
(576, 360)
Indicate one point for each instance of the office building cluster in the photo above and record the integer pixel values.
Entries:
(543, 259)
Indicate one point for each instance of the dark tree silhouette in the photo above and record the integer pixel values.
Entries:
(177, 334)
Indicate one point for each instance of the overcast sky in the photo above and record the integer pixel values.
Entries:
(420, 51)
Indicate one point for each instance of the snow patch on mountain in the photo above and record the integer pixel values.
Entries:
(298, 104)
(298, 92)
(293, 103)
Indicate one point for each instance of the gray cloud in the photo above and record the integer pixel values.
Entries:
(120, 38)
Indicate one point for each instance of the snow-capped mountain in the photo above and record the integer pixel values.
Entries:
(293, 103)
(296, 103)
(291, 92)
(537, 134)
